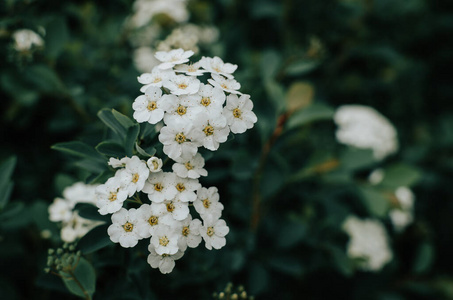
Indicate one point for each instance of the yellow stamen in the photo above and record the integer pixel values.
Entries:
(237, 113)
(128, 227)
(206, 203)
(210, 231)
(153, 220)
(180, 138)
(180, 187)
(164, 241)
(209, 130)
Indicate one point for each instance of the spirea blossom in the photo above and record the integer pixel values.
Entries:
(368, 242)
(363, 127)
(25, 39)
(193, 114)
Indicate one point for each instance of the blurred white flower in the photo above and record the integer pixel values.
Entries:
(145, 10)
(365, 128)
(172, 58)
(215, 65)
(25, 39)
(144, 59)
(403, 215)
(77, 227)
(368, 242)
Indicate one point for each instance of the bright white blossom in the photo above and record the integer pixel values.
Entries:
(213, 129)
(186, 188)
(25, 39)
(149, 218)
(368, 242)
(189, 233)
(239, 114)
(154, 164)
(363, 127)
(228, 85)
(180, 140)
(150, 107)
(134, 175)
(182, 85)
(165, 240)
(211, 99)
(156, 78)
(60, 210)
(213, 232)
(118, 163)
(182, 109)
(216, 65)
(165, 262)
(110, 196)
(190, 167)
(160, 186)
(207, 203)
(176, 210)
(172, 58)
(124, 228)
(190, 69)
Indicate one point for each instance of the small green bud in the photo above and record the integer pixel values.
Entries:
(47, 270)
(50, 251)
(58, 267)
(79, 253)
(57, 261)
(72, 248)
(50, 261)
(241, 288)
(244, 295)
(59, 251)
(234, 297)
(65, 245)
(221, 295)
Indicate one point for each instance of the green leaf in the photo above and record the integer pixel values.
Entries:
(92, 166)
(45, 79)
(374, 201)
(302, 67)
(131, 139)
(111, 149)
(57, 36)
(89, 211)
(125, 121)
(270, 62)
(424, 258)
(83, 282)
(109, 119)
(312, 113)
(94, 240)
(147, 130)
(341, 261)
(99, 178)
(78, 149)
(149, 152)
(354, 159)
(258, 278)
(6, 185)
(287, 265)
(11, 210)
(400, 175)
(276, 94)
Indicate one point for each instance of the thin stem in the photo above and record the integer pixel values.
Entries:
(87, 296)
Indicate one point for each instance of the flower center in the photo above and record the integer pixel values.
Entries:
(205, 101)
(153, 220)
(185, 231)
(152, 105)
(128, 227)
(188, 166)
(191, 69)
(208, 130)
(180, 187)
(157, 79)
(210, 231)
(112, 196)
(158, 187)
(170, 207)
(223, 85)
(216, 69)
(182, 86)
(181, 110)
(155, 165)
(237, 113)
(180, 138)
(135, 177)
(164, 241)
(206, 203)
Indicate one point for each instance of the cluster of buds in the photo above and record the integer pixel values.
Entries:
(230, 293)
(62, 260)
(194, 116)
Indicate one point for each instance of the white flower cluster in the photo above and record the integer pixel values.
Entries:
(145, 10)
(365, 128)
(25, 39)
(189, 37)
(62, 210)
(194, 116)
(402, 213)
(368, 243)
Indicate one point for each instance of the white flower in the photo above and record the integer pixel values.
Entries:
(77, 227)
(181, 109)
(172, 58)
(400, 218)
(110, 196)
(376, 176)
(216, 65)
(124, 228)
(150, 107)
(207, 202)
(190, 69)
(190, 167)
(186, 188)
(402, 215)
(369, 242)
(154, 164)
(80, 192)
(213, 129)
(149, 218)
(405, 197)
(228, 85)
(211, 99)
(363, 127)
(213, 232)
(165, 262)
(118, 163)
(180, 140)
(176, 210)
(182, 85)
(156, 78)
(60, 210)
(160, 186)
(189, 233)
(239, 114)
(165, 240)
(25, 39)
(134, 175)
